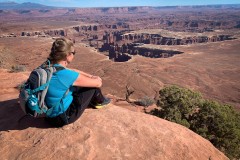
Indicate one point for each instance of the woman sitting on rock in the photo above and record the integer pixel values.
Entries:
(80, 89)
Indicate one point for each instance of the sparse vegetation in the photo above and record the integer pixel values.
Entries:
(18, 68)
(218, 123)
(145, 101)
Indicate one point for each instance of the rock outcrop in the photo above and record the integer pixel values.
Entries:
(159, 39)
(109, 133)
(122, 53)
(55, 32)
(99, 27)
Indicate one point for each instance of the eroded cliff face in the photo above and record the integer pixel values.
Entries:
(120, 45)
(55, 32)
(94, 33)
(161, 39)
(122, 53)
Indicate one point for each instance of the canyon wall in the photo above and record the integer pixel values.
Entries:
(158, 39)
(122, 53)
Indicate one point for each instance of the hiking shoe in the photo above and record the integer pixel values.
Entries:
(103, 104)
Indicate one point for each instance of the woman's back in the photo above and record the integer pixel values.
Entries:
(60, 83)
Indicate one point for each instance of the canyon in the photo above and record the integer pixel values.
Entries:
(111, 29)
(124, 33)
(142, 48)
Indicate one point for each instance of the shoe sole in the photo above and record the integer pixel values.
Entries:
(101, 106)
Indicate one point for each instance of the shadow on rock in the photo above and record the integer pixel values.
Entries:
(12, 117)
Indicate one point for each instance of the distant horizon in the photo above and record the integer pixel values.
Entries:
(124, 3)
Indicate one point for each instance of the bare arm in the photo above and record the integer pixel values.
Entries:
(87, 80)
(82, 73)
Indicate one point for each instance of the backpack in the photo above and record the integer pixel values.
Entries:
(33, 91)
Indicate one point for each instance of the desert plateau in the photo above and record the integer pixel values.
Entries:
(141, 48)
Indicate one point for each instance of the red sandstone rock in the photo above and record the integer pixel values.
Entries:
(108, 133)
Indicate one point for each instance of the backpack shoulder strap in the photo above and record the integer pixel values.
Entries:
(53, 69)
(44, 92)
(58, 68)
(50, 71)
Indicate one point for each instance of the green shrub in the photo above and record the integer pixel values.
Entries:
(218, 123)
(178, 104)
